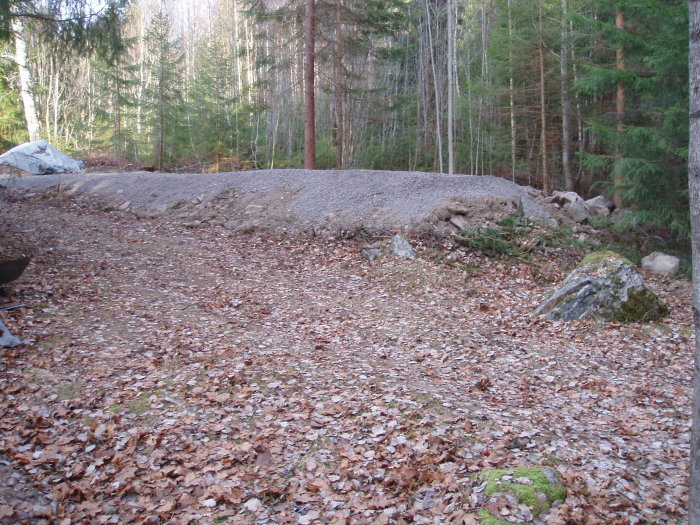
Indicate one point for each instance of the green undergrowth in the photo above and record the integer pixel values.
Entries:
(519, 238)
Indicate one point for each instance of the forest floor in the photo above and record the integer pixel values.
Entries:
(205, 376)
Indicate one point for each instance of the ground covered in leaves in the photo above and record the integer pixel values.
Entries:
(202, 376)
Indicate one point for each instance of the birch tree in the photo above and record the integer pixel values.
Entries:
(694, 189)
(26, 81)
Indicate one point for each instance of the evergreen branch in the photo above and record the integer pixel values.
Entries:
(54, 20)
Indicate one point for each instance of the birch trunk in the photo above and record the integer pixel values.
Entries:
(450, 87)
(438, 124)
(26, 82)
(694, 187)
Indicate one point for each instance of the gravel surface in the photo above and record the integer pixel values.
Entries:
(382, 199)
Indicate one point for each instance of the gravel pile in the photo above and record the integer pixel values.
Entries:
(288, 198)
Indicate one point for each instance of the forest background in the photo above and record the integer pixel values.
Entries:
(587, 95)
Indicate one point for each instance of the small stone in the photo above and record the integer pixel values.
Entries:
(401, 248)
(602, 201)
(211, 503)
(457, 208)
(459, 222)
(523, 481)
(253, 504)
(371, 254)
(565, 197)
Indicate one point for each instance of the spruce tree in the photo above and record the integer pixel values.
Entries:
(645, 148)
(114, 83)
(215, 114)
(162, 103)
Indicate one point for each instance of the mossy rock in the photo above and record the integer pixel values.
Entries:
(607, 287)
(544, 487)
(604, 257)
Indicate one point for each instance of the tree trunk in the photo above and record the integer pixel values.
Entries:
(438, 124)
(620, 113)
(450, 87)
(511, 83)
(543, 115)
(310, 111)
(694, 187)
(339, 92)
(565, 98)
(26, 82)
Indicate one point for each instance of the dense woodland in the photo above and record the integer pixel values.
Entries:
(590, 95)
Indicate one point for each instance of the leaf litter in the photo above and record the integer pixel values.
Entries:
(202, 376)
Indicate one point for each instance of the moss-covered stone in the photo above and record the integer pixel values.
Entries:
(602, 256)
(545, 488)
(642, 306)
(607, 287)
(486, 518)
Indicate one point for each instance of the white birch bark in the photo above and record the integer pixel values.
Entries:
(26, 82)
(450, 87)
(694, 187)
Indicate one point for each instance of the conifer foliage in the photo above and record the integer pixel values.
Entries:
(579, 94)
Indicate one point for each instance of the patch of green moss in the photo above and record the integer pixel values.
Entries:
(486, 518)
(642, 306)
(602, 257)
(526, 494)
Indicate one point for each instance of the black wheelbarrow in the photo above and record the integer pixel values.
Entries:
(10, 269)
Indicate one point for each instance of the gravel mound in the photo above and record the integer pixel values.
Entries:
(291, 199)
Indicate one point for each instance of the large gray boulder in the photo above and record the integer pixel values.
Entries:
(661, 264)
(578, 211)
(40, 158)
(607, 287)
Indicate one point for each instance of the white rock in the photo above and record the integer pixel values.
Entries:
(661, 264)
(401, 248)
(253, 504)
